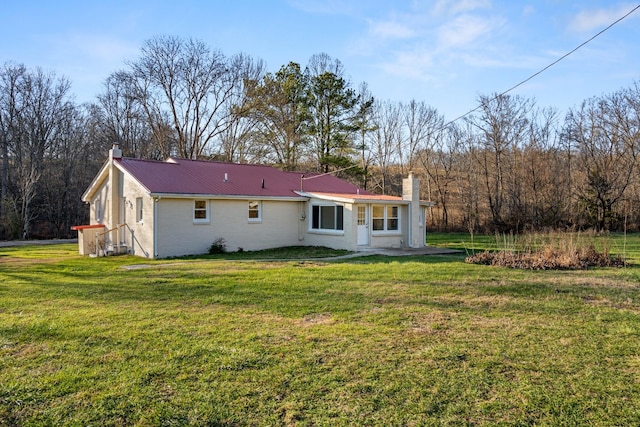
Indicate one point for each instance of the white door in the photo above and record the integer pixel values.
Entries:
(363, 225)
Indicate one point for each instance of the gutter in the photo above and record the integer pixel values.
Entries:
(228, 197)
(347, 199)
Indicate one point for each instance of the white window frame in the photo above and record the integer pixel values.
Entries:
(123, 210)
(120, 183)
(336, 218)
(98, 209)
(386, 209)
(257, 209)
(139, 210)
(206, 211)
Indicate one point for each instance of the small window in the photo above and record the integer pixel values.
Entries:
(392, 218)
(386, 218)
(120, 184)
(255, 211)
(362, 215)
(378, 218)
(327, 217)
(123, 210)
(200, 211)
(139, 209)
(98, 208)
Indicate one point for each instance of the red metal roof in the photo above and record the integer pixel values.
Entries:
(180, 176)
(361, 196)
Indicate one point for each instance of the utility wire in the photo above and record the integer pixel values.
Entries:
(544, 69)
(304, 178)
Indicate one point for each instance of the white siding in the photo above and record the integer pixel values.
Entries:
(99, 205)
(138, 235)
(282, 223)
(228, 219)
(392, 239)
(345, 239)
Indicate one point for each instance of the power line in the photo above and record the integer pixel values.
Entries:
(545, 68)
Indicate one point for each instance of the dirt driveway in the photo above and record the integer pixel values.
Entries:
(9, 243)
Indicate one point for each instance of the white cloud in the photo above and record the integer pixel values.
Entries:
(528, 10)
(427, 45)
(94, 48)
(107, 49)
(392, 29)
(459, 6)
(411, 64)
(462, 31)
(589, 20)
(325, 7)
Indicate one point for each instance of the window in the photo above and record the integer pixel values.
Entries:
(120, 184)
(255, 211)
(327, 217)
(98, 210)
(362, 215)
(392, 218)
(123, 210)
(385, 218)
(138, 209)
(200, 211)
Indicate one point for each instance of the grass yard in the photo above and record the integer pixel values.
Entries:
(389, 341)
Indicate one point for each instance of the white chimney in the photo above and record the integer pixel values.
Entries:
(411, 193)
(115, 152)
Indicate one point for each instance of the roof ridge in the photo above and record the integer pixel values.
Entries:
(220, 162)
(141, 160)
(176, 160)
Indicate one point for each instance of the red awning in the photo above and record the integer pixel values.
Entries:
(84, 227)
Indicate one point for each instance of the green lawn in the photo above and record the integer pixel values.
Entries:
(387, 341)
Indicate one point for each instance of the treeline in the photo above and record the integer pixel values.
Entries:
(508, 166)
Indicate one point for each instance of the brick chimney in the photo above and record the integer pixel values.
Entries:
(411, 193)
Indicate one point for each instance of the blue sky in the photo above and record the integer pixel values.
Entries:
(442, 52)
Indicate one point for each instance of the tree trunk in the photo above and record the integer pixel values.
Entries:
(5, 177)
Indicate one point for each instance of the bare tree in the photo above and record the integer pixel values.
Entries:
(67, 171)
(632, 130)
(543, 170)
(501, 125)
(237, 141)
(387, 136)
(468, 179)
(605, 133)
(36, 107)
(10, 77)
(421, 122)
(123, 120)
(190, 84)
(441, 162)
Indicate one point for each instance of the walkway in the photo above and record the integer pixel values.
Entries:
(429, 250)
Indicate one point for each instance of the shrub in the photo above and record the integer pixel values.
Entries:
(219, 246)
(550, 252)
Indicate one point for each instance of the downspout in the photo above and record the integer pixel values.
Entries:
(423, 225)
(156, 200)
(301, 225)
(410, 224)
